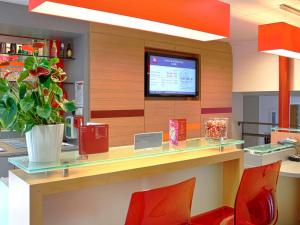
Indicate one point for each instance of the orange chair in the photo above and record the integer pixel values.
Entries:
(169, 205)
(255, 203)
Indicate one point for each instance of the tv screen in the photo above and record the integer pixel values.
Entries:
(171, 75)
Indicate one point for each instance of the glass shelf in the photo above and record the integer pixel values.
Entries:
(39, 56)
(119, 154)
(268, 148)
(291, 130)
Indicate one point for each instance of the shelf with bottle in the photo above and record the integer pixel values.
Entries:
(39, 56)
(40, 48)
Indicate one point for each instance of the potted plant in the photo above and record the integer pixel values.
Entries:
(34, 104)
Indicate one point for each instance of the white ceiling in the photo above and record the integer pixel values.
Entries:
(246, 15)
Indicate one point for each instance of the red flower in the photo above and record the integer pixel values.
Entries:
(40, 71)
(59, 76)
(7, 73)
(53, 102)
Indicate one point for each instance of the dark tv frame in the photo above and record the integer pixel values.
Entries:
(169, 55)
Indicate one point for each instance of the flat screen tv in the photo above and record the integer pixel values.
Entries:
(170, 75)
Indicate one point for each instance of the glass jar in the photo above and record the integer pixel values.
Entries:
(216, 128)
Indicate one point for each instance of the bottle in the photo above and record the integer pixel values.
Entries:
(3, 47)
(62, 50)
(69, 51)
(20, 51)
(13, 48)
(54, 49)
(46, 48)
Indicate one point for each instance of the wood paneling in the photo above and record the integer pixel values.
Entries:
(121, 130)
(157, 115)
(115, 73)
(216, 79)
(189, 110)
(117, 80)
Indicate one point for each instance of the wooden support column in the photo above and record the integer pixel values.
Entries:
(284, 92)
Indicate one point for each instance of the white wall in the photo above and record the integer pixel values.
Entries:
(254, 71)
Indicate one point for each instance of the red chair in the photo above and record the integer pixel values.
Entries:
(255, 203)
(163, 206)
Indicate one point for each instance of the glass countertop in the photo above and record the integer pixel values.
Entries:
(119, 154)
(268, 148)
(293, 130)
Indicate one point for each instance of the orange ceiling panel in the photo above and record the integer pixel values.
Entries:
(196, 19)
(279, 39)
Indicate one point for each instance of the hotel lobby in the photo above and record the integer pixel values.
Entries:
(142, 112)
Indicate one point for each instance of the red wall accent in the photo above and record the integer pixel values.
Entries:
(116, 113)
(284, 92)
(216, 110)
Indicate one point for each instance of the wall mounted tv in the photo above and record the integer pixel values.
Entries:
(169, 75)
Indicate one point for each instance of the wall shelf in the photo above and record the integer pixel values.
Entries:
(39, 56)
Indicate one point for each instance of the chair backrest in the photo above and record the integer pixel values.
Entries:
(169, 205)
(256, 202)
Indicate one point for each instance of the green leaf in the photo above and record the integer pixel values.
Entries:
(45, 63)
(35, 96)
(68, 106)
(45, 81)
(8, 112)
(28, 127)
(23, 75)
(27, 103)
(19, 125)
(44, 111)
(22, 90)
(54, 61)
(4, 87)
(29, 63)
(57, 90)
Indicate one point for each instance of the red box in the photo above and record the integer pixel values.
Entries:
(93, 139)
(177, 130)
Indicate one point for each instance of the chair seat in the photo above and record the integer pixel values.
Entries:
(220, 216)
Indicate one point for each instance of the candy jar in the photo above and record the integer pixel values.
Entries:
(216, 128)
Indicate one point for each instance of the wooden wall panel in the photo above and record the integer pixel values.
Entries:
(121, 130)
(216, 79)
(189, 110)
(116, 78)
(117, 81)
(157, 115)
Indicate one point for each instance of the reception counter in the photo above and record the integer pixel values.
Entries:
(30, 188)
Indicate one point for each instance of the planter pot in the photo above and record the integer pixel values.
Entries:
(44, 143)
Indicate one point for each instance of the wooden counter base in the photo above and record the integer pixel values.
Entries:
(26, 191)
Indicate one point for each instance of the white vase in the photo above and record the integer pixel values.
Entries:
(44, 143)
